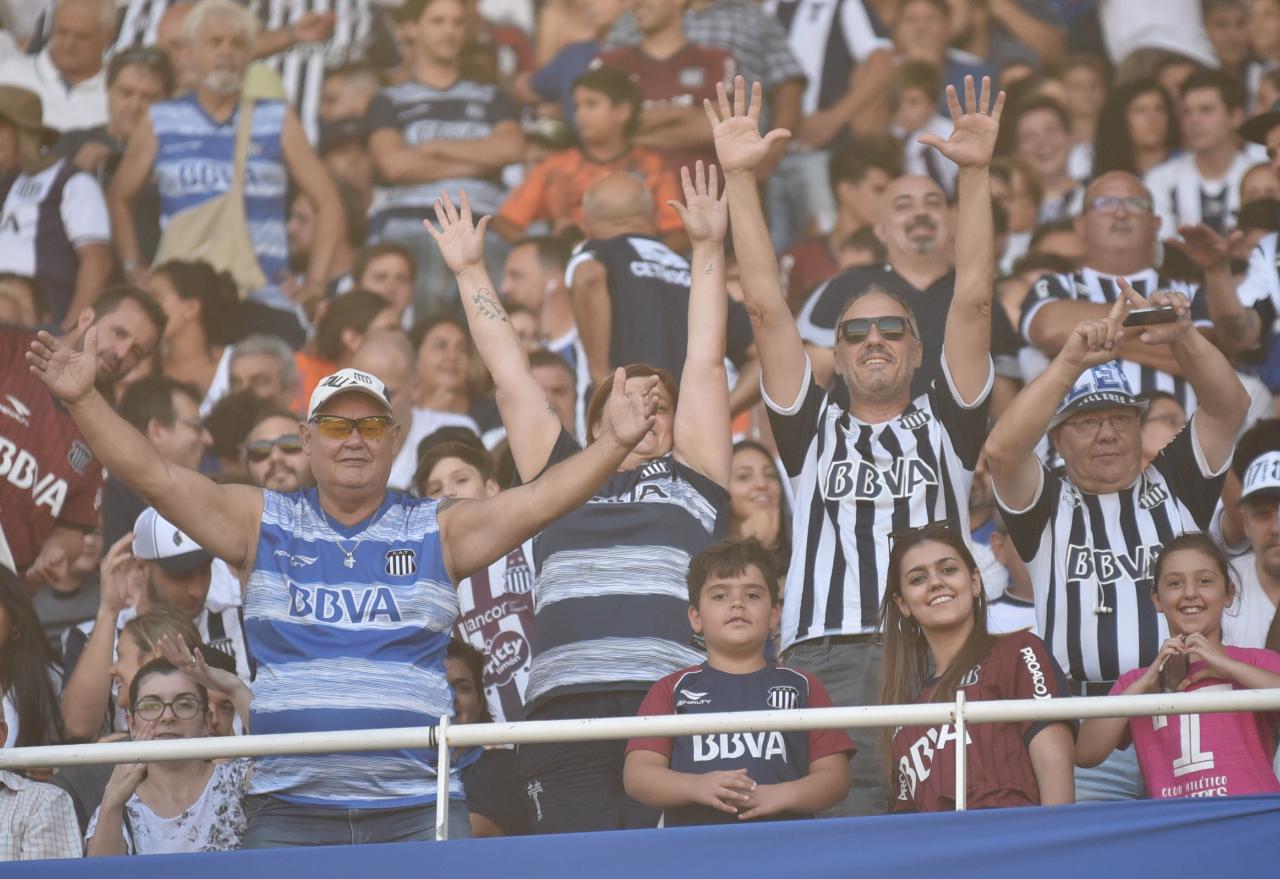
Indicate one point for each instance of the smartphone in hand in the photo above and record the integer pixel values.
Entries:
(1145, 317)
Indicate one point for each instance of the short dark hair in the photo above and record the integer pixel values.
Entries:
(160, 666)
(366, 255)
(938, 5)
(422, 328)
(553, 252)
(1263, 436)
(543, 357)
(353, 310)
(1042, 102)
(411, 10)
(154, 60)
(217, 293)
(150, 398)
(1226, 85)
(39, 299)
(1053, 227)
(113, 297)
(616, 85)
(474, 661)
(467, 453)
(729, 558)
(866, 239)
(231, 419)
(914, 75)
(1042, 263)
(852, 162)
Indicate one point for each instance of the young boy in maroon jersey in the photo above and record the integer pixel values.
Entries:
(725, 777)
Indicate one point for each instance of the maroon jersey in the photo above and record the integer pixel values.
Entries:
(48, 475)
(804, 266)
(1019, 666)
(683, 80)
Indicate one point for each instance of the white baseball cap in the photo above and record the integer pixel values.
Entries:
(156, 539)
(345, 380)
(1262, 478)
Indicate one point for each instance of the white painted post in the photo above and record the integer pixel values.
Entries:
(442, 780)
(961, 754)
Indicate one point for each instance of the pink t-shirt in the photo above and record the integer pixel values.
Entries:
(1207, 755)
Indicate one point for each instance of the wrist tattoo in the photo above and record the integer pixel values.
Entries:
(711, 267)
(488, 305)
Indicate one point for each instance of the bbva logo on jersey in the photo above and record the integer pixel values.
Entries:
(865, 482)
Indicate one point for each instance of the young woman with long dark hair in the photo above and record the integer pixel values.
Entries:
(27, 691)
(934, 624)
(1137, 129)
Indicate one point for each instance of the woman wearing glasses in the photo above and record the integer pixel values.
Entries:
(934, 623)
(174, 806)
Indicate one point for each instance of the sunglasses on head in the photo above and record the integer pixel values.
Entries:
(260, 450)
(370, 426)
(890, 326)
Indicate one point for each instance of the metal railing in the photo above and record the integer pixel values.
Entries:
(446, 735)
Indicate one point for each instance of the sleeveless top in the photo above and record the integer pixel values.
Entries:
(195, 160)
(340, 647)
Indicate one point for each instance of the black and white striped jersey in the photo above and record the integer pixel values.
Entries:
(857, 483)
(1093, 286)
(1260, 288)
(1090, 557)
(1182, 195)
(829, 38)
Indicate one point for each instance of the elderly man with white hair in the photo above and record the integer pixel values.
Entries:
(188, 145)
(68, 73)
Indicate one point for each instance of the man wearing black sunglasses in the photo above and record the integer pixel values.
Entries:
(274, 456)
(890, 459)
(348, 588)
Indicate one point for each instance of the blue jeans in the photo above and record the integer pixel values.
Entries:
(800, 201)
(277, 823)
(1116, 778)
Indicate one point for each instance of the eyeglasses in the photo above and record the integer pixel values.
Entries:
(1090, 425)
(259, 450)
(891, 327)
(1109, 204)
(185, 707)
(370, 426)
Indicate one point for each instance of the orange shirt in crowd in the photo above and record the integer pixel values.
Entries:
(553, 190)
(310, 370)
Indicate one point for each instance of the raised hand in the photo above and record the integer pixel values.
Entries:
(1094, 341)
(1160, 334)
(123, 577)
(629, 414)
(705, 213)
(126, 777)
(974, 128)
(461, 240)
(174, 648)
(736, 129)
(69, 374)
(50, 566)
(1203, 246)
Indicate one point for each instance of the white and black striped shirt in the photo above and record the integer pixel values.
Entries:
(856, 484)
(1260, 288)
(1091, 285)
(829, 38)
(1090, 557)
(1182, 195)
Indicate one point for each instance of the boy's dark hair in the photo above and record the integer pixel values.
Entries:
(553, 252)
(851, 163)
(1226, 85)
(159, 666)
(616, 85)
(366, 255)
(474, 660)
(231, 419)
(1053, 227)
(1042, 263)
(729, 558)
(149, 58)
(150, 398)
(914, 75)
(467, 453)
(866, 239)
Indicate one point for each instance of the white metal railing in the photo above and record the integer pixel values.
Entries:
(447, 735)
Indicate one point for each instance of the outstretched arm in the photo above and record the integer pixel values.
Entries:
(476, 532)
(221, 518)
(531, 422)
(703, 438)
(740, 149)
(1011, 447)
(967, 342)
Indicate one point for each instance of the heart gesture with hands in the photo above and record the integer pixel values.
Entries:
(736, 129)
(705, 213)
(974, 128)
(461, 240)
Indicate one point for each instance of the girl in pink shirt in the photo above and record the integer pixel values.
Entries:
(1194, 755)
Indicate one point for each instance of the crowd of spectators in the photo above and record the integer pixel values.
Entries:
(367, 363)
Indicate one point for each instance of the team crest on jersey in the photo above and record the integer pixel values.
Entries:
(79, 456)
(971, 676)
(1152, 496)
(913, 420)
(783, 698)
(654, 469)
(401, 562)
(692, 77)
(29, 189)
(517, 579)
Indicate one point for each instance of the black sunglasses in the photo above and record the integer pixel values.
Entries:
(890, 326)
(259, 450)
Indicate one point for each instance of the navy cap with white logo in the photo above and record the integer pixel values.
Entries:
(1262, 478)
(1100, 387)
(156, 539)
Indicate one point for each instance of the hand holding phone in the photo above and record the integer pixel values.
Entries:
(1156, 314)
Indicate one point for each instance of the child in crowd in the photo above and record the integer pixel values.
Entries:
(912, 97)
(720, 778)
(1194, 755)
(934, 621)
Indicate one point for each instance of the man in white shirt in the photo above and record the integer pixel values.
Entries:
(1249, 617)
(68, 74)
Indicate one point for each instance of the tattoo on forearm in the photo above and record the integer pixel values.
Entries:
(711, 267)
(488, 305)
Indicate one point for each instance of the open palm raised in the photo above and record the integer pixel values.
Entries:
(974, 128)
(70, 374)
(739, 145)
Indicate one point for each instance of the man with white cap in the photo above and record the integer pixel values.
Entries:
(348, 595)
(175, 572)
(1246, 624)
(1089, 537)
